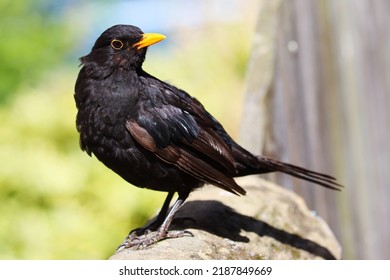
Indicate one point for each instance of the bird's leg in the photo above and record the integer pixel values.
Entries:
(162, 232)
(153, 226)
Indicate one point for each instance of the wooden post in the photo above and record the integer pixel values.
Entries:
(318, 96)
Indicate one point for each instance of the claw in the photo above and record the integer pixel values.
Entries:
(151, 236)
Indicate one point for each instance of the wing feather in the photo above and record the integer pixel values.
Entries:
(187, 160)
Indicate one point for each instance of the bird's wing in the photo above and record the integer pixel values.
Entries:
(174, 135)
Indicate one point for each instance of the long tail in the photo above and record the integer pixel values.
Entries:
(271, 165)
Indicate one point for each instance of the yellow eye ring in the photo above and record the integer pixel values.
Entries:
(116, 44)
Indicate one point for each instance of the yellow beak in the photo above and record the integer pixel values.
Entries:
(148, 39)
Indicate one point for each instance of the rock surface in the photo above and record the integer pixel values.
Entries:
(269, 222)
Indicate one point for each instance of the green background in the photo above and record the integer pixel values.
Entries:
(55, 201)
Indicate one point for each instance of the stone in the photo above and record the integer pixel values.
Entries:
(268, 223)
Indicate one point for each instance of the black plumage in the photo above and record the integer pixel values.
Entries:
(155, 135)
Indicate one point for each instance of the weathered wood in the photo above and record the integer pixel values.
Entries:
(326, 107)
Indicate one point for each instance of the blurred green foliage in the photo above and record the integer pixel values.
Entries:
(32, 43)
(55, 201)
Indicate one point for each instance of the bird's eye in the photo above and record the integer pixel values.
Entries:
(117, 44)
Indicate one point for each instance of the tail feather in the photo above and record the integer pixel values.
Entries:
(300, 172)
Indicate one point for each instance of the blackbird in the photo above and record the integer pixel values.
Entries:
(155, 135)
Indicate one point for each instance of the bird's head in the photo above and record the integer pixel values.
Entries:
(121, 46)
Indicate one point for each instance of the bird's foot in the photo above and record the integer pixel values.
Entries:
(137, 235)
(149, 237)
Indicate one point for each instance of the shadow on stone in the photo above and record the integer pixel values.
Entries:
(218, 219)
(270, 223)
